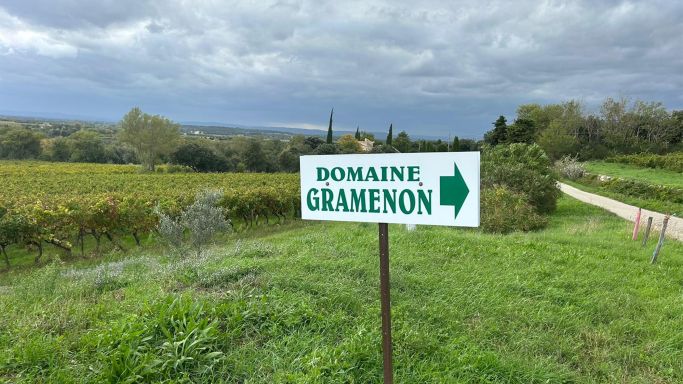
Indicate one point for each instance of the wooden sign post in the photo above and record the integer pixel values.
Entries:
(410, 188)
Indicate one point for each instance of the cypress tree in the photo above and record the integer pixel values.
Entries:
(390, 136)
(329, 129)
(498, 134)
(456, 144)
(358, 133)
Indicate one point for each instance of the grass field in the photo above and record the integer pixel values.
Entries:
(576, 302)
(626, 171)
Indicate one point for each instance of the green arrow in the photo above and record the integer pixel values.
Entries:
(453, 190)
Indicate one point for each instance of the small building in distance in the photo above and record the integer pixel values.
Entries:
(366, 145)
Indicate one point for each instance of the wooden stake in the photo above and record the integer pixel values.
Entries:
(636, 225)
(385, 301)
(647, 230)
(661, 240)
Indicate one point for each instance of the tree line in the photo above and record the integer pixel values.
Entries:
(620, 126)
(149, 140)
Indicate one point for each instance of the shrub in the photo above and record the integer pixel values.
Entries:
(326, 149)
(202, 220)
(671, 161)
(524, 169)
(570, 168)
(645, 190)
(504, 211)
(171, 231)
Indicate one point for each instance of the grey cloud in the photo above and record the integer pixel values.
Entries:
(435, 66)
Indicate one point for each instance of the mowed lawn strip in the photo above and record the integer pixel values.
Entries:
(577, 302)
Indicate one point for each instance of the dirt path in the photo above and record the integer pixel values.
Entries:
(628, 212)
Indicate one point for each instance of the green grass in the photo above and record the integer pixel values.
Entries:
(626, 171)
(576, 302)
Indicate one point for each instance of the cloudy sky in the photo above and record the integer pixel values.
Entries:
(430, 67)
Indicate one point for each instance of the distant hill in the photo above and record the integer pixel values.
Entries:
(239, 129)
(223, 129)
(208, 128)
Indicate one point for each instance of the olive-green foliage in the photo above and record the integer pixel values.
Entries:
(326, 149)
(19, 143)
(150, 136)
(505, 211)
(86, 147)
(524, 169)
(622, 126)
(199, 157)
(671, 161)
(348, 144)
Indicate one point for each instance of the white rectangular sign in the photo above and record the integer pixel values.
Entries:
(440, 188)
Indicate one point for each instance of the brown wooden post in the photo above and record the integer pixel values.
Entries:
(385, 301)
(661, 240)
(647, 230)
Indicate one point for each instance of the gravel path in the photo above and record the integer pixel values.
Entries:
(628, 212)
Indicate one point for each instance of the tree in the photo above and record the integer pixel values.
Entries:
(357, 133)
(19, 143)
(541, 115)
(60, 150)
(499, 132)
(456, 144)
(469, 145)
(119, 153)
(329, 129)
(254, 157)
(327, 149)
(313, 142)
(521, 131)
(86, 147)
(676, 127)
(199, 158)
(402, 143)
(288, 160)
(390, 135)
(348, 144)
(557, 142)
(441, 146)
(150, 136)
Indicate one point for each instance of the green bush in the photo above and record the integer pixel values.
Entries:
(505, 211)
(645, 190)
(671, 161)
(522, 168)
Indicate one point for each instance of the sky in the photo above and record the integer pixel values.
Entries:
(429, 67)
